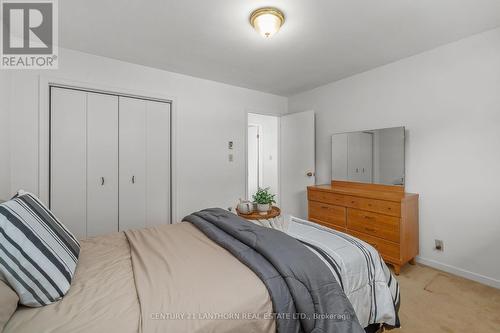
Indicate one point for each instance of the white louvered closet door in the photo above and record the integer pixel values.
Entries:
(102, 164)
(144, 167)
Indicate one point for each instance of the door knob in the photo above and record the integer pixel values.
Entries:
(133, 179)
(102, 181)
(309, 174)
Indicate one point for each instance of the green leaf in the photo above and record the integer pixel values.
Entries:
(263, 196)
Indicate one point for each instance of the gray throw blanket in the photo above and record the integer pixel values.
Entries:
(305, 295)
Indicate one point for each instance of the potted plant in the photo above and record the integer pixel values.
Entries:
(264, 199)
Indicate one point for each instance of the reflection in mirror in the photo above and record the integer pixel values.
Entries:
(374, 156)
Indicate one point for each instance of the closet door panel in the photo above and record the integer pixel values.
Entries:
(360, 156)
(132, 160)
(102, 164)
(366, 157)
(353, 156)
(158, 163)
(68, 158)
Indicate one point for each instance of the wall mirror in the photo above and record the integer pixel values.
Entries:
(373, 156)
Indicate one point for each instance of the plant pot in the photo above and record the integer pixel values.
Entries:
(263, 208)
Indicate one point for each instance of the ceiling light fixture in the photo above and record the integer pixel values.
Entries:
(267, 21)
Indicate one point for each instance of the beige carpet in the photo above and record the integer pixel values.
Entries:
(434, 301)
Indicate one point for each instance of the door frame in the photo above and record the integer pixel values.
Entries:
(46, 82)
(271, 114)
(259, 155)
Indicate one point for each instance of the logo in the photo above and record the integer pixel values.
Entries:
(29, 34)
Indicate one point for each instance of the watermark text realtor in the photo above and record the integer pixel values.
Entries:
(29, 33)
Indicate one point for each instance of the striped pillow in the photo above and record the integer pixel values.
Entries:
(38, 255)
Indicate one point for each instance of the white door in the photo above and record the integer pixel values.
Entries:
(109, 161)
(360, 157)
(132, 169)
(102, 164)
(68, 149)
(297, 162)
(157, 163)
(144, 139)
(339, 157)
(253, 161)
(366, 158)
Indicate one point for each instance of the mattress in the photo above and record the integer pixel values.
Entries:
(173, 278)
(365, 279)
(165, 279)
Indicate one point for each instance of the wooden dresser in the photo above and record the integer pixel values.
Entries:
(384, 216)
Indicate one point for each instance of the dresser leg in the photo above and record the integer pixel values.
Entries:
(397, 269)
(412, 261)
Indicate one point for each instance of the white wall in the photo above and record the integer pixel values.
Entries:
(5, 83)
(269, 147)
(209, 114)
(449, 101)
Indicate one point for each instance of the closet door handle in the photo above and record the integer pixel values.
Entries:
(102, 181)
(133, 179)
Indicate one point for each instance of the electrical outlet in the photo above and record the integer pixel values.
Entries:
(439, 245)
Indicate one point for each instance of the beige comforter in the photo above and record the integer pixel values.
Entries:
(165, 279)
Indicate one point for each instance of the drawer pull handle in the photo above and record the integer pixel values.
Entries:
(369, 217)
(370, 229)
(324, 207)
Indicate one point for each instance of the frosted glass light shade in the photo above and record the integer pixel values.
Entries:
(267, 21)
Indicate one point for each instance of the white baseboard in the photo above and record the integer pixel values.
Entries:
(460, 272)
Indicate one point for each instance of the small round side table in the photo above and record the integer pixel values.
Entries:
(269, 220)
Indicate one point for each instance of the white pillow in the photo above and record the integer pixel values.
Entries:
(38, 255)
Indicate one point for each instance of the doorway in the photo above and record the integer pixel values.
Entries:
(262, 154)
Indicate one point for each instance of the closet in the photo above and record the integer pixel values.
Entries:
(109, 161)
(352, 156)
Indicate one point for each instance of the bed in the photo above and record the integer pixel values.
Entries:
(200, 276)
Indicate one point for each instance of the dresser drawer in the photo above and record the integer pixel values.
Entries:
(329, 225)
(328, 213)
(382, 226)
(327, 197)
(388, 250)
(374, 205)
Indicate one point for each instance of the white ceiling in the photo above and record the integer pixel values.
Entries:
(321, 41)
